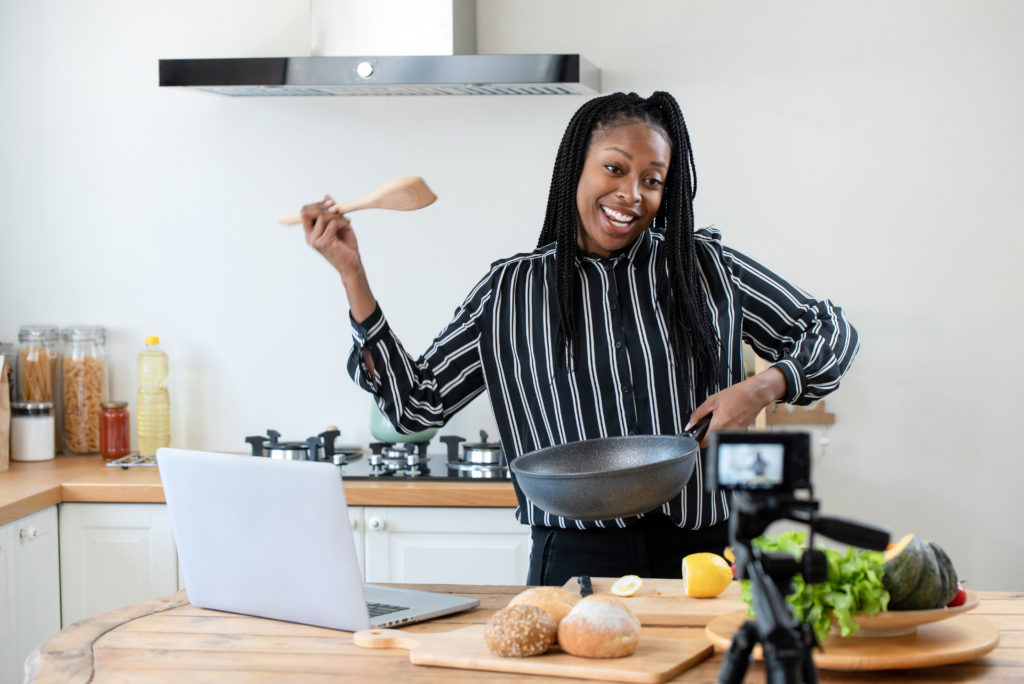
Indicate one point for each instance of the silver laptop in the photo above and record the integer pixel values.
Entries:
(272, 538)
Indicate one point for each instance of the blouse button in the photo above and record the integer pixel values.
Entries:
(618, 344)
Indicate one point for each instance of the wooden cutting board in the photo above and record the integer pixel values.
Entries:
(955, 640)
(664, 602)
(657, 659)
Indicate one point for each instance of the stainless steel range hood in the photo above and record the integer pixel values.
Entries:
(388, 47)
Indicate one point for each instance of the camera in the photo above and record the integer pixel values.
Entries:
(758, 461)
(763, 471)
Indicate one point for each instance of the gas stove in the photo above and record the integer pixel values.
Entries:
(405, 460)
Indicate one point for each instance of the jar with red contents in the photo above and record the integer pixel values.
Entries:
(115, 437)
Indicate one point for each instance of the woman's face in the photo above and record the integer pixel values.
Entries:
(621, 185)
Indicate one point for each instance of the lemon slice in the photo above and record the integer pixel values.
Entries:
(627, 585)
(705, 575)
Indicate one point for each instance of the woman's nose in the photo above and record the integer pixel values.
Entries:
(629, 190)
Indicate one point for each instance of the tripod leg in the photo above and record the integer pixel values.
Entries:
(737, 658)
(809, 668)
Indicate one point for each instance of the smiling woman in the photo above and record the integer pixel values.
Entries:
(623, 321)
(621, 185)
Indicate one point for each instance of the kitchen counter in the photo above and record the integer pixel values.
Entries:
(32, 486)
(169, 640)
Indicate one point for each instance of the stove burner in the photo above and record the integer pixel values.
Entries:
(409, 459)
(319, 448)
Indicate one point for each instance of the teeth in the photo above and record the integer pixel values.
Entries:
(616, 216)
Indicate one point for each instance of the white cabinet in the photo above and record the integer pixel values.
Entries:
(444, 545)
(29, 589)
(113, 555)
(355, 518)
(117, 554)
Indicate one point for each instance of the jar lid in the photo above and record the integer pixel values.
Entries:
(113, 404)
(38, 333)
(84, 332)
(32, 408)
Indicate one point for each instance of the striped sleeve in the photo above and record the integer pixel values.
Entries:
(418, 394)
(810, 340)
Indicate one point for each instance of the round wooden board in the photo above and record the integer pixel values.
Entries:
(956, 640)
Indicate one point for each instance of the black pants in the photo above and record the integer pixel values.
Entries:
(654, 546)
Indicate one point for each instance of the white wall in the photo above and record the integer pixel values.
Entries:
(871, 152)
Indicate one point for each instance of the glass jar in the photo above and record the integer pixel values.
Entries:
(37, 378)
(115, 437)
(32, 431)
(84, 385)
(38, 356)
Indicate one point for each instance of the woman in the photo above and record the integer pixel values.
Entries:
(624, 320)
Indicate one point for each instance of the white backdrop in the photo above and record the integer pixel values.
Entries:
(871, 152)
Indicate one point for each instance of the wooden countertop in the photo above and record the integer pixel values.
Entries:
(169, 640)
(28, 487)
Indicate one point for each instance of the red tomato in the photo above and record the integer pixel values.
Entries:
(960, 598)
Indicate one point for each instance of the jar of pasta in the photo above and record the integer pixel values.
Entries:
(84, 384)
(37, 378)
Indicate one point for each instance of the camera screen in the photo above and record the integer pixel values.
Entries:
(750, 465)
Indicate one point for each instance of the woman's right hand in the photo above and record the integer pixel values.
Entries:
(331, 234)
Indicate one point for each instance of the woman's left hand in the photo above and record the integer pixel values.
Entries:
(737, 406)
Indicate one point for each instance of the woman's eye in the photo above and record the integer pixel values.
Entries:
(655, 182)
(612, 168)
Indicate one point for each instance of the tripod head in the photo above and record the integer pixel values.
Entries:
(768, 475)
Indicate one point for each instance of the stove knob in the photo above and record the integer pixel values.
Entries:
(377, 524)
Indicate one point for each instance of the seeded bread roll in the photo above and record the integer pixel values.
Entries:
(599, 627)
(522, 630)
(554, 601)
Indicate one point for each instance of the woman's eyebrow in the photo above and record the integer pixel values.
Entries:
(628, 156)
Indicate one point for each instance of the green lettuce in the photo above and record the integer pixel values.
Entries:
(854, 585)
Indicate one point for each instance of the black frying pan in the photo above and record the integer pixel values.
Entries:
(611, 477)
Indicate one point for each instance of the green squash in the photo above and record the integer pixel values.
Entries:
(918, 575)
(902, 568)
(948, 573)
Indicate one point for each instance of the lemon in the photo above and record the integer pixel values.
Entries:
(705, 575)
(627, 585)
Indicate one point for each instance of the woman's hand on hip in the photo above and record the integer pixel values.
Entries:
(737, 406)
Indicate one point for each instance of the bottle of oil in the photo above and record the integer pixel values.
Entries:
(153, 406)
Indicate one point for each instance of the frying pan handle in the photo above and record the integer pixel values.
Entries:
(698, 431)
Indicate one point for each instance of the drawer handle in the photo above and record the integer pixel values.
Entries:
(29, 533)
(377, 524)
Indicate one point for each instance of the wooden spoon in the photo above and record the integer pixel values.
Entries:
(400, 194)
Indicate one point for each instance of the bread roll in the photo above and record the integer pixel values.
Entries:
(522, 630)
(599, 627)
(554, 601)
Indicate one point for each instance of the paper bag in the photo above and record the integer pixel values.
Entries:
(5, 414)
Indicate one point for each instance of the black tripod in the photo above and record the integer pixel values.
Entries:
(785, 642)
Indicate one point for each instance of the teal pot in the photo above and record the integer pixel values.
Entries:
(383, 431)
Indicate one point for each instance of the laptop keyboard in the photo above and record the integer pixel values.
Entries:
(383, 608)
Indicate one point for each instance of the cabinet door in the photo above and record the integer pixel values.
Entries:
(445, 545)
(37, 578)
(29, 589)
(8, 620)
(113, 555)
(355, 518)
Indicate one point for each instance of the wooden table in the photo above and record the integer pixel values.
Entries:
(169, 640)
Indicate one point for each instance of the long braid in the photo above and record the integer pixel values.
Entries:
(692, 331)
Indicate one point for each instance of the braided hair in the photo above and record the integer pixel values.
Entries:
(692, 333)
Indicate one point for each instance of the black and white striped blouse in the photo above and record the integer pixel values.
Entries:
(625, 381)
